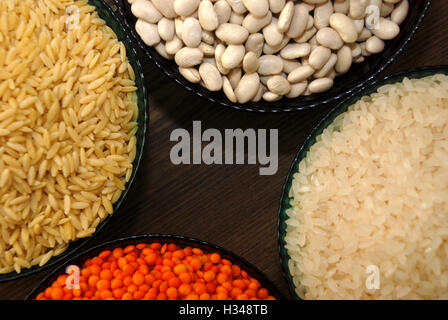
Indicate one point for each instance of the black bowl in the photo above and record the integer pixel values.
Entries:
(327, 120)
(107, 14)
(178, 240)
(346, 84)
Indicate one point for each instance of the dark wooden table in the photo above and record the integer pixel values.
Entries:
(229, 205)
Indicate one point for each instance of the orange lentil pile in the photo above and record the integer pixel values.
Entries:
(158, 272)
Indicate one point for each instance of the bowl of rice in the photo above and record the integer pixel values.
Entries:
(364, 210)
(73, 118)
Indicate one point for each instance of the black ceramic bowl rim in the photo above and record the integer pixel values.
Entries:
(165, 238)
(309, 141)
(143, 126)
(268, 107)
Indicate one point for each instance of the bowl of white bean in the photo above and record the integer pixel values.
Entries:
(272, 55)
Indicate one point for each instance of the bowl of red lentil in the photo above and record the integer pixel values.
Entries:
(156, 267)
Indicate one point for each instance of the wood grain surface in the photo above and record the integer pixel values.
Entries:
(229, 205)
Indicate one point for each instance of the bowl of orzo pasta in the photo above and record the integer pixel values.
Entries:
(364, 211)
(73, 118)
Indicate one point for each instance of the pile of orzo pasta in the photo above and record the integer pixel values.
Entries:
(68, 117)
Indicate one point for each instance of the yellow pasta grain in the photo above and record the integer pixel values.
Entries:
(65, 125)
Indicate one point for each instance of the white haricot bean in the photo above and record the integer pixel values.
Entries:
(266, 49)
(359, 25)
(386, 9)
(233, 56)
(386, 30)
(272, 35)
(313, 2)
(341, 6)
(223, 11)
(255, 44)
(191, 74)
(145, 10)
(271, 96)
(344, 26)
(300, 74)
(359, 59)
(208, 37)
(191, 32)
(356, 49)
(236, 18)
(278, 85)
(310, 22)
(364, 51)
(258, 8)
(290, 65)
(259, 94)
(364, 35)
(166, 7)
(166, 29)
(270, 65)
(320, 85)
(318, 57)
(211, 76)
(264, 80)
(285, 18)
(228, 90)
(307, 35)
(358, 8)
(332, 74)
(374, 45)
(299, 21)
(173, 46)
(208, 50)
(235, 77)
(148, 32)
(322, 14)
(327, 67)
(400, 12)
(178, 26)
(189, 57)
(185, 8)
(247, 87)
(207, 16)
(344, 61)
(309, 7)
(232, 33)
(250, 62)
(237, 6)
(295, 50)
(329, 38)
(219, 51)
(254, 24)
(209, 60)
(276, 6)
(160, 48)
(313, 42)
(297, 89)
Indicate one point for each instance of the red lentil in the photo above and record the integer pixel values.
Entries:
(158, 271)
